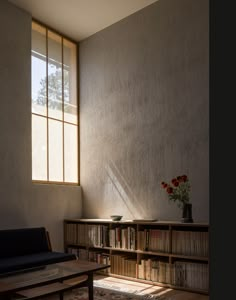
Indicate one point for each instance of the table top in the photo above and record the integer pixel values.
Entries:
(51, 273)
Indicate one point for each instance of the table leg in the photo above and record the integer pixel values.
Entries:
(61, 296)
(5, 297)
(90, 286)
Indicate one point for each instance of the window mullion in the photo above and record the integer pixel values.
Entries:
(62, 94)
(47, 104)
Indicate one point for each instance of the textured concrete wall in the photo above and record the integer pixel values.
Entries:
(144, 112)
(23, 204)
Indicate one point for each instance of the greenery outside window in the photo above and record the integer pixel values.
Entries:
(54, 107)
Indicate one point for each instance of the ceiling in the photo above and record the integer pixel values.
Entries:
(79, 19)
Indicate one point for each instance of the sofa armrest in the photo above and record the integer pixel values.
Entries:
(49, 241)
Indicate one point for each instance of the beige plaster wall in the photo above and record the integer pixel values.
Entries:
(23, 204)
(144, 112)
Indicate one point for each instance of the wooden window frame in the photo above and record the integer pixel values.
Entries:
(62, 121)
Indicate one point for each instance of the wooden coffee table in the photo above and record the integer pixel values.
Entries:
(48, 280)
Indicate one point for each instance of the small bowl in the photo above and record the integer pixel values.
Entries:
(116, 218)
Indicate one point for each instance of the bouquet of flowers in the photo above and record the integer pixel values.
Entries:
(178, 190)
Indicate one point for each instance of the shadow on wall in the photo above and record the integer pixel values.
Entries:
(124, 199)
(10, 218)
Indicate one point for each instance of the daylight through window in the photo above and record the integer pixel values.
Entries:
(54, 107)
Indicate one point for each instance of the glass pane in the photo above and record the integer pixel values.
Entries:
(38, 69)
(55, 150)
(70, 82)
(54, 76)
(71, 153)
(39, 148)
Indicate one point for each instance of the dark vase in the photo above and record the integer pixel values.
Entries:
(187, 213)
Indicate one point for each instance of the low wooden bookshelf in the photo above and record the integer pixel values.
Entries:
(164, 253)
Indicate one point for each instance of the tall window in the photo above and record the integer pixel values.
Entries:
(54, 107)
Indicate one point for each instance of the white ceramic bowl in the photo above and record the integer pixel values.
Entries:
(116, 217)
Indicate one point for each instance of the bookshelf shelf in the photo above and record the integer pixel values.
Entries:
(168, 254)
(201, 258)
(153, 253)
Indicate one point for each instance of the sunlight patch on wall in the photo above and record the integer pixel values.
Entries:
(119, 196)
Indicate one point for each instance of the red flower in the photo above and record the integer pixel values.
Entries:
(173, 181)
(169, 190)
(178, 189)
(164, 185)
(176, 183)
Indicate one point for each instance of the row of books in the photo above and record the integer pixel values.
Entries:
(87, 234)
(101, 236)
(191, 275)
(92, 255)
(181, 273)
(123, 265)
(124, 238)
(153, 240)
(71, 233)
(154, 270)
(193, 243)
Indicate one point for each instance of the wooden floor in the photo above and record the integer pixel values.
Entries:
(143, 288)
(138, 288)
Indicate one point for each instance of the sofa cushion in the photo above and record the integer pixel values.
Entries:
(12, 264)
(15, 242)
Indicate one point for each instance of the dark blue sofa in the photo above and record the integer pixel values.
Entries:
(27, 248)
